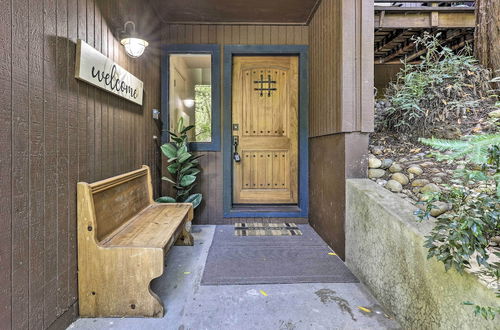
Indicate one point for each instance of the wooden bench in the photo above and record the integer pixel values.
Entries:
(123, 236)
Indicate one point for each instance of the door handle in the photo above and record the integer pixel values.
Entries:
(236, 155)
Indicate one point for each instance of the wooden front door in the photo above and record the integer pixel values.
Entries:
(265, 129)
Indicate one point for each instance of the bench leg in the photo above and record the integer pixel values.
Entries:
(185, 238)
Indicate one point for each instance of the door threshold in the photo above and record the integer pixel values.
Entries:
(265, 211)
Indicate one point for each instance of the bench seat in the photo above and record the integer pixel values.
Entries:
(155, 226)
(123, 236)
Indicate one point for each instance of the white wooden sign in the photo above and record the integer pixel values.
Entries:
(98, 70)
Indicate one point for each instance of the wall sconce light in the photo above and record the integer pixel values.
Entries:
(133, 46)
(189, 103)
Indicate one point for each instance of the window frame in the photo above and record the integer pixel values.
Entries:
(179, 49)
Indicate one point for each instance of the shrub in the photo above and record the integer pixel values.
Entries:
(465, 232)
(443, 88)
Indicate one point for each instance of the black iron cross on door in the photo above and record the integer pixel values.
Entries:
(269, 89)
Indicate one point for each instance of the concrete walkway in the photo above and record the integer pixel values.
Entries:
(278, 306)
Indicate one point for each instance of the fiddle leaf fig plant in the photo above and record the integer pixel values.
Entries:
(183, 167)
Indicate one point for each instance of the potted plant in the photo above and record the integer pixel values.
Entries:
(183, 167)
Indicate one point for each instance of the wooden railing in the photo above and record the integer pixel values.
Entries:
(424, 6)
(424, 14)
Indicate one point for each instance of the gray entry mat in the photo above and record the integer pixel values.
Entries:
(272, 260)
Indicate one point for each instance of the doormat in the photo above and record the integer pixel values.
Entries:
(266, 229)
(236, 260)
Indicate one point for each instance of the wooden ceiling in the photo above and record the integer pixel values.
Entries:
(235, 11)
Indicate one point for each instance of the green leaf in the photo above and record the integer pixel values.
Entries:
(184, 157)
(172, 168)
(185, 130)
(181, 150)
(187, 180)
(194, 199)
(193, 171)
(169, 150)
(168, 180)
(186, 167)
(165, 199)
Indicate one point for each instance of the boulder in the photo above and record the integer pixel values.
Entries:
(395, 168)
(420, 182)
(494, 114)
(414, 169)
(439, 208)
(386, 163)
(374, 162)
(430, 188)
(401, 178)
(394, 186)
(375, 173)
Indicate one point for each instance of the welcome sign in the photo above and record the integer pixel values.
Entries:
(98, 70)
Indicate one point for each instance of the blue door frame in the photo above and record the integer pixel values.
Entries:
(302, 208)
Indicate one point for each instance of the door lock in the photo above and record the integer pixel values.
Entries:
(236, 155)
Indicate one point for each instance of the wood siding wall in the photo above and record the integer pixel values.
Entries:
(210, 185)
(341, 67)
(54, 132)
(341, 109)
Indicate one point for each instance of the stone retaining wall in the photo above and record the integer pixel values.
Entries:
(384, 249)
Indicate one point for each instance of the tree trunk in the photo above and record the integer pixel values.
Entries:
(487, 34)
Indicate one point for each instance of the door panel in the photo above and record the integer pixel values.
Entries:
(265, 122)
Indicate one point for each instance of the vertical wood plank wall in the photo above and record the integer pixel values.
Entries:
(211, 210)
(341, 109)
(54, 132)
(341, 67)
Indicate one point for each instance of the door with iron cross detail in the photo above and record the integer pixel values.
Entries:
(265, 129)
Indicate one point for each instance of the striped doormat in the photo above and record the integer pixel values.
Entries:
(266, 229)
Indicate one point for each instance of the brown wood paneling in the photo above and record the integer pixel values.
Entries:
(227, 11)
(210, 185)
(5, 164)
(333, 158)
(341, 68)
(54, 132)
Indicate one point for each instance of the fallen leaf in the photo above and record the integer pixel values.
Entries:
(332, 254)
(262, 292)
(366, 310)
(187, 273)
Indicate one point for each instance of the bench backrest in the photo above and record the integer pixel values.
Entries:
(116, 200)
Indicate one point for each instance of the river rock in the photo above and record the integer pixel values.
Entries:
(386, 163)
(437, 179)
(395, 168)
(375, 173)
(420, 182)
(376, 150)
(394, 186)
(414, 169)
(426, 164)
(494, 114)
(439, 208)
(374, 162)
(430, 188)
(401, 178)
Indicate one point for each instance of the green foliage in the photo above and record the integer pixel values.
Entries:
(443, 87)
(183, 167)
(465, 232)
(203, 113)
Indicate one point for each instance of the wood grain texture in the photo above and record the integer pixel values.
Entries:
(268, 129)
(210, 185)
(55, 131)
(341, 68)
(120, 253)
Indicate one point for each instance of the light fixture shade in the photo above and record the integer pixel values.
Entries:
(189, 103)
(134, 46)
